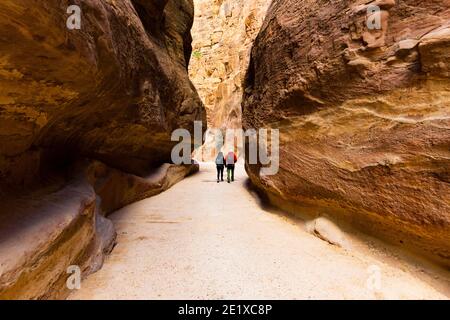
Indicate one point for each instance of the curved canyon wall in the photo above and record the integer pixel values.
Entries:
(112, 91)
(364, 115)
(223, 33)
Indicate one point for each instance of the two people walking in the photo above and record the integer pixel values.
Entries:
(229, 161)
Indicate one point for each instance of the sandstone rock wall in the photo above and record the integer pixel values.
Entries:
(46, 233)
(223, 33)
(51, 229)
(118, 189)
(111, 92)
(364, 115)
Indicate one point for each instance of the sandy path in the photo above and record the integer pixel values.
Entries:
(201, 239)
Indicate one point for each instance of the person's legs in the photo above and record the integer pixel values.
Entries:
(221, 172)
(232, 172)
(228, 173)
(218, 173)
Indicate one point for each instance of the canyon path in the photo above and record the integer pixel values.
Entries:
(203, 240)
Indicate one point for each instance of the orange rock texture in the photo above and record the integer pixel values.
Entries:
(113, 90)
(364, 115)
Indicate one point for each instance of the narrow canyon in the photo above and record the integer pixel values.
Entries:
(88, 177)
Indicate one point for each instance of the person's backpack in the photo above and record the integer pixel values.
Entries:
(219, 159)
(230, 158)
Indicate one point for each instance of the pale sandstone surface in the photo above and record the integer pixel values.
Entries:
(364, 116)
(223, 34)
(227, 246)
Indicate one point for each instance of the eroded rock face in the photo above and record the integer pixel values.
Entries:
(223, 33)
(364, 115)
(46, 233)
(118, 189)
(113, 91)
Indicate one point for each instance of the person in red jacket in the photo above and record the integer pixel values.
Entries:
(230, 160)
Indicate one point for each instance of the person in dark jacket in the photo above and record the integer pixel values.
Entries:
(230, 161)
(220, 165)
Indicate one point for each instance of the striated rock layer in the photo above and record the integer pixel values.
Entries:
(49, 230)
(364, 115)
(44, 234)
(223, 33)
(113, 92)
